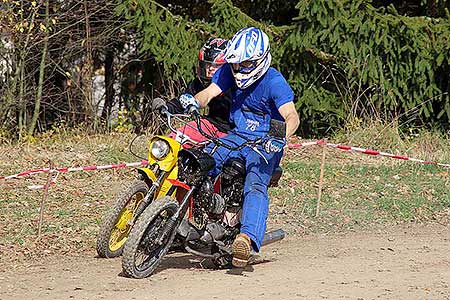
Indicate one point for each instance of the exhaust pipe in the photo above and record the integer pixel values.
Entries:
(273, 236)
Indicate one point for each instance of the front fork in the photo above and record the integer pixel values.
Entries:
(177, 217)
(148, 197)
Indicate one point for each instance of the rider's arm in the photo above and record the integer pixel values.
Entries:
(207, 94)
(221, 81)
(290, 115)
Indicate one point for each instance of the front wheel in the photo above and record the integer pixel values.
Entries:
(150, 238)
(116, 225)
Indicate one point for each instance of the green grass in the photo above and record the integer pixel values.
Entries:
(361, 191)
(358, 191)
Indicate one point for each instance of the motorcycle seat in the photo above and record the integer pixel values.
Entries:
(276, 177)
(238, 165)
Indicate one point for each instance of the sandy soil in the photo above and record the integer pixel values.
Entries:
(405, 262)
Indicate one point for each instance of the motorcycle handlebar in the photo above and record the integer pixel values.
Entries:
(159, 105)
(217, 141)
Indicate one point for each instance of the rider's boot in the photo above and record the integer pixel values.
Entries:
(242, 247)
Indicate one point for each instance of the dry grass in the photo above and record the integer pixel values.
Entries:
(359, 191)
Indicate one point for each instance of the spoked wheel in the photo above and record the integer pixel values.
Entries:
(116, 225)
(150, 238)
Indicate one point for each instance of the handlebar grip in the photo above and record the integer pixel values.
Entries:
(159, 104)
(191, 109)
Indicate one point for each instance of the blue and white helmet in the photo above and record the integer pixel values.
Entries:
(248, 53)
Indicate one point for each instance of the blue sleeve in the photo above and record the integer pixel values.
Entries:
(281, 92)
(224, 78)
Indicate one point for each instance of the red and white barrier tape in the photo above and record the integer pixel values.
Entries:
(375, 153)
(111, 166)
(144, 162)
(43, 186)
(65, 170)
(369, 152)
(293, 146)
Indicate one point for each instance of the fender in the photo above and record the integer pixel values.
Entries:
(148, 175)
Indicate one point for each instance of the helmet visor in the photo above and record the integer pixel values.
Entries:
(245, 67)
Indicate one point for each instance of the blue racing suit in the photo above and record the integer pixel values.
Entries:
(251, 112)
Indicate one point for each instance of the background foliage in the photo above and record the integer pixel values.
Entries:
(346, 60)
(361, 61)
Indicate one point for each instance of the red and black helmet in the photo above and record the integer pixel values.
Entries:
(211, 55)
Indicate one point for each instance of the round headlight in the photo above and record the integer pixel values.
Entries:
(160, 149)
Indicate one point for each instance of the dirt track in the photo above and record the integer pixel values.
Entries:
(398, 263)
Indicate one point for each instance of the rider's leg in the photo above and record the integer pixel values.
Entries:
(221, 154)
(256, 204)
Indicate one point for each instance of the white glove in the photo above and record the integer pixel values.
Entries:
(273, 144)
(188, 102)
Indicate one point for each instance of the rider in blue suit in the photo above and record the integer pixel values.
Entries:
(260, 97)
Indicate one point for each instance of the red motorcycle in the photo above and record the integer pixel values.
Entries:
(203, 216)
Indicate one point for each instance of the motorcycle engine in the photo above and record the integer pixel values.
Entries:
(210, 205)
(233, 177)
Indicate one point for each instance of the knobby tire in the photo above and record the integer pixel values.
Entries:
(148, 228)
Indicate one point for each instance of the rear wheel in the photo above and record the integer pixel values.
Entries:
(150, 238)
(116, 225)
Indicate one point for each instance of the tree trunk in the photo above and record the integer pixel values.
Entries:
(88, 71)
(432, 9)
(109, 85)
(37, 104)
